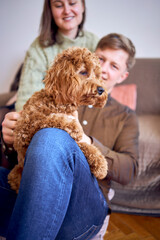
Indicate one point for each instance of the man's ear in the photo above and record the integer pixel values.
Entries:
(123, 77)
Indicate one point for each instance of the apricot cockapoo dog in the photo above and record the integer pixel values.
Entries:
(72, 80)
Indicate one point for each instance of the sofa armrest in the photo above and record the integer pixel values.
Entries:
(4, 97)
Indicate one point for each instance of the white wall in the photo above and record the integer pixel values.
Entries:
(137, 19)
(19, 23)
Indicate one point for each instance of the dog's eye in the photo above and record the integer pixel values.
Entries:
(84, 73)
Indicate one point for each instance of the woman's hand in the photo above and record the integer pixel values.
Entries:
(85, 138)
(8, 126)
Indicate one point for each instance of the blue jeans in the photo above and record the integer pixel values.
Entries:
(58, 198)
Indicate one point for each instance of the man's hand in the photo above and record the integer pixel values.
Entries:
(85, 138)
(8, 126)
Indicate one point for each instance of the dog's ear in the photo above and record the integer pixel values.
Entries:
(61, 80)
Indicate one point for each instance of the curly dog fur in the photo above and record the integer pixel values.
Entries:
(72, 80)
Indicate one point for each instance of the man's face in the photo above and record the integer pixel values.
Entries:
(113, 63)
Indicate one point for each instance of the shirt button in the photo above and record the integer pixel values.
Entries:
(4, 147)
(85, 122)
(90, 106)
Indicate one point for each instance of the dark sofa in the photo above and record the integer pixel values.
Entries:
(143, 195)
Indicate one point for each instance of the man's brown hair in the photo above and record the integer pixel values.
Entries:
(118, 41)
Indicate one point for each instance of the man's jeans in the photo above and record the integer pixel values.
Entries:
(58, 197)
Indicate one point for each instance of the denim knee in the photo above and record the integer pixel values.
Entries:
(52, 143)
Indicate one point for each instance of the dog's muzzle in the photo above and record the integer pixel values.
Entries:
(100, 90)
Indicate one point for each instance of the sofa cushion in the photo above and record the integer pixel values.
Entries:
(126, 95)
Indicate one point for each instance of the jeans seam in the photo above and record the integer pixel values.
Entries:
(59, 204)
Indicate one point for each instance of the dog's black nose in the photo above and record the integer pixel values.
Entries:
(100, 90)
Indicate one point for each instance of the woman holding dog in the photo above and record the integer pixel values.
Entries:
(61, 27)
(58, 199)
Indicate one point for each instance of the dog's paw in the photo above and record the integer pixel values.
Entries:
(14, 177)
(96, 160)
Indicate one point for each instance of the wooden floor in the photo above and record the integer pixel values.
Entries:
(133, 227)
